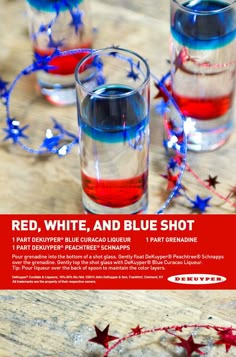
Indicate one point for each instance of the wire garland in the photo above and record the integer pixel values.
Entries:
(226, 337)
(60, 141)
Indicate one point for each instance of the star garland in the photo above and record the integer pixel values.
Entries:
(224, 336)
(178, 146)
(57, 139)
(60, 141)
(54, 137)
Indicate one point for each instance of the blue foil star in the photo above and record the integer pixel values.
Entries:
(14, 131)
(172, 164)
(131, 73)
(97, 62)
(3, 87)
(42, 61)
(162, 107)
(44, 28)
(54, 44)
(57, 125)
(137, 143)
(54, 143)
(100, 79)
(77, 21)
(3, 91)
(165, 143)
(51, 142)
(200, 204)
(64, 133)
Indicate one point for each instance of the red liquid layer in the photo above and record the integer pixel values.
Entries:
(65, 64)
(115, 193)
(204, 108)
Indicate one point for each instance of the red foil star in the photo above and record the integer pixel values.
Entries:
(182, 57)
(137, 330)
(190, 346)
(178, 158)
(226, 338)
(172, 180)
(102, 337)
(212, 181)
(161, 93)
(233, 192)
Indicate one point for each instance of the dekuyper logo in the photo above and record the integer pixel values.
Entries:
(199, 279)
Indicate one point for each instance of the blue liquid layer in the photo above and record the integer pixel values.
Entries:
(53, 5)
(113, 119)
(200, 29)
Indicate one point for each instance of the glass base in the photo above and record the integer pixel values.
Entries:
(94, 208)
(208, 135)
(60, 96)
(58, 90)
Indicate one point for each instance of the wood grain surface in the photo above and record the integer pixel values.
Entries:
(59, 323)
(32, 184)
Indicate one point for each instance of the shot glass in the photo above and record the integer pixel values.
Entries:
(113, 86)
(203, 63)
(63, 25)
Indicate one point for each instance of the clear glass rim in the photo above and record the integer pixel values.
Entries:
(202, 12)
(113, 49)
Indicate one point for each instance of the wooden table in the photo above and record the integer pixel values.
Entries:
(59, 323)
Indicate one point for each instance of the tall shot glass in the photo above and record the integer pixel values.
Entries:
(113, 103)
(63, 25)
(203, 63)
